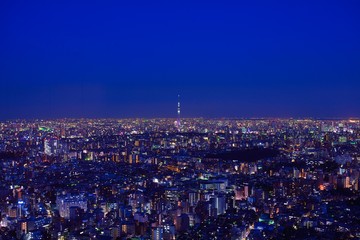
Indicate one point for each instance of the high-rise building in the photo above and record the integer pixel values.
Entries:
(157, 233)
(218, 203)
(65, 202)
(178, 123)
(50, 146)
(54, 147)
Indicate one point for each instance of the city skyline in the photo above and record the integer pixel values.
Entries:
(179, 120)
(210, 179)
(258, 59)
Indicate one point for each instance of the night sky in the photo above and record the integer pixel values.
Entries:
(226, 59)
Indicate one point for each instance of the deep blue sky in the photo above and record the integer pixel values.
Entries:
(226, 59)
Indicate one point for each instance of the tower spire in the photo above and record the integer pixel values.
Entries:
(178, 113)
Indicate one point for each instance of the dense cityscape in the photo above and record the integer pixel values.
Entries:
(179, 120)
(165, 179)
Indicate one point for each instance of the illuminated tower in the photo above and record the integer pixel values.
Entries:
(178, 112)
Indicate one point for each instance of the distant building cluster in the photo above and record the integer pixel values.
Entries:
(201, 179)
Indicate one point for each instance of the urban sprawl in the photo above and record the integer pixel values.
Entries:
(165, 179)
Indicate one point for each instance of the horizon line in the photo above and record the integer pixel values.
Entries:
(175, 118)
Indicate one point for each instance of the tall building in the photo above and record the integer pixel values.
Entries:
(178, 113)
(65, 202)
(54, 147)
(50, 146)
(218, 204)
(157, 233)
